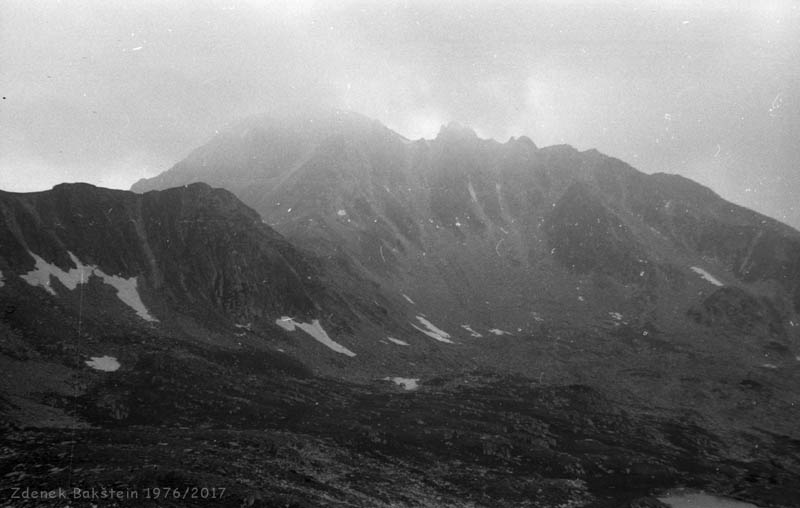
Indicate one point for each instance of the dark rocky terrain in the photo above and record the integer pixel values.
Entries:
(570, 331)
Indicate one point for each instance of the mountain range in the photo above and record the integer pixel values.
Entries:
(318, 311)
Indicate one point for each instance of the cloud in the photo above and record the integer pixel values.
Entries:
(94, 84)
(118, 88)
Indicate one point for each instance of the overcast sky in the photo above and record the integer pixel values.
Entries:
(111, 91)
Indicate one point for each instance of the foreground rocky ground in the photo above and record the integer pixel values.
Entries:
(285, 438)
(596, 386)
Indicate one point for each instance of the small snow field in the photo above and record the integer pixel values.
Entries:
(103, 363)
(432, 331)
(41, 273)
(126, 288)
(707, 276)
(404, 382)
(316, 331)
(471, 190)
(286, 323)
(472, 333)
(127, 293)
(397, 341)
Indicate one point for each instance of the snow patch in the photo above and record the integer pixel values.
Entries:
(2, 280)
(537, 317)
(341, 213)
(286, 323)
(432, 331)
(582, 299)
(616, 315)
(769, 365)
(315, 330)
(244, 327)
(104, 363)
(406, 382)
(472, 332)
(409, 300)
(126, 288)
(127, 292)
(397, 341)
(41, 273)
(707, 276)
(498, 332)
(472, 192)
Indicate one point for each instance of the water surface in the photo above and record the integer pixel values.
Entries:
(680, 499)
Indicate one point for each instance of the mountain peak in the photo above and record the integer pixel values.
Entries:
(455, 130)
(525, 141)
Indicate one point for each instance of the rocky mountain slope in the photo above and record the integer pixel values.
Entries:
(96, 273)
(539, 261)
(502, 235)
(453, 322)
(194, 249)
